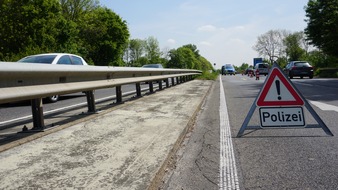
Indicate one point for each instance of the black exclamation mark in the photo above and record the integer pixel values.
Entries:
(278, 89)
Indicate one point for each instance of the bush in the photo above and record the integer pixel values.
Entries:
(207, 75)
(327, 73)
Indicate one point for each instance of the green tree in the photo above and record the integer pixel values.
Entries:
(321, 60)
(104, 37)
(243, 67)
(182, 58)
(292, 44)
(134, 51)
(322, 25)
(75, 9)
(27, 27)
(193, 49)
(188, 57)
(67, 37)
(152, 50)
(270, 44)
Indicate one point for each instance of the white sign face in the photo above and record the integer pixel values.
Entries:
(278, 92)
(281, 116)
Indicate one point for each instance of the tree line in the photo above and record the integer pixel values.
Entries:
(74, 26)
(317, 44)
(102, 37)
(85, 28)
(140, 52)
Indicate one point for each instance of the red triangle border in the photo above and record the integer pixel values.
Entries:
(276, 72)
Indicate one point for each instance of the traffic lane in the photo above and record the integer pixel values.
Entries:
(280, 158)
(323, 90)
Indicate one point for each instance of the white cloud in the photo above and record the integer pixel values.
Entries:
(171, 41)
(207, 28)
(225, 31)
(205, 43)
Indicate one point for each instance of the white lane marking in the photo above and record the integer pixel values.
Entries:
(325, 107)
(228, 178)
(305, 84)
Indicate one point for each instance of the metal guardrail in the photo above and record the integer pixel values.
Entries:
(29, 81)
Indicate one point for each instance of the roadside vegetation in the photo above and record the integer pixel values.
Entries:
(102, 37)
(317, 44)
(206, 75)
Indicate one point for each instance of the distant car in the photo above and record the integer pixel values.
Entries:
(299, 68)
(228, 69)
(248, 70)
(54, 58)
(153, 66)
(263, 68)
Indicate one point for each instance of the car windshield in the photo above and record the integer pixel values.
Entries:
(229, 67)
(302, 64)
(263, 66)
(152, 66)
(46, 59)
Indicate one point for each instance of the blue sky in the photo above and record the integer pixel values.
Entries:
(224, 31)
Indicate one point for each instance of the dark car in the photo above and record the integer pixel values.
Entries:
(248, 71)
(228, 69)
(299, 68)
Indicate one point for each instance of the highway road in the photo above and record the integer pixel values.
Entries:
(262, 159)
(212, 157)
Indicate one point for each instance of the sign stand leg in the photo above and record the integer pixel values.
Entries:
(247, 119)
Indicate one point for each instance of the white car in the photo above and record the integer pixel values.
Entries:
(263, 69)
(54, 58)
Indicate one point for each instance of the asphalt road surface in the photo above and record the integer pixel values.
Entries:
(266, 158)
(212, 157)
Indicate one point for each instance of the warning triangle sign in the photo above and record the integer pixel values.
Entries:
(277, 91)
(277, 95)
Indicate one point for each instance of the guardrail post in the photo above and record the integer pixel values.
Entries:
(151, 87)
(167, 82)
(172, 81)
(160, 84)
(138, 89)
(177, 80)
(37, 112)
(90, 101)
(118, 94)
